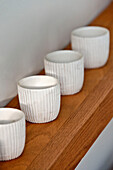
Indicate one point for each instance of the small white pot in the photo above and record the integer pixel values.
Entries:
(93, 43)
(12, 133)
(68, 67)
(39, 98)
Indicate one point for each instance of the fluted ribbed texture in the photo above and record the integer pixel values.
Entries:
(94, 49)
(12, 139)
(40, 105)
(70, 75)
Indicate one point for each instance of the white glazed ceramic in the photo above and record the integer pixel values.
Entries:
(68, 67)
(12, 133)
(93, 43)
(39, 98)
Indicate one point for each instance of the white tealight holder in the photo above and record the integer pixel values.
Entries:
(93, 43)
(12, 133)
(68, 67)
(39, 98)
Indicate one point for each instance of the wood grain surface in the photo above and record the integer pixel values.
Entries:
(62, 143)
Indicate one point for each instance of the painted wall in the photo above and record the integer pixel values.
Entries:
(31, 29)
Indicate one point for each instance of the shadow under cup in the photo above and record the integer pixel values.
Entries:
(12, 133)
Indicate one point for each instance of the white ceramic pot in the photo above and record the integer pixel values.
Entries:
(68, 67)
(12, 133)
(93, 43)
(39, 98)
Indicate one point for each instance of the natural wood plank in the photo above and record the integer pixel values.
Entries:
(35, 130)
(86, 135)
(73, 124)
(106, 17)
(80, 121)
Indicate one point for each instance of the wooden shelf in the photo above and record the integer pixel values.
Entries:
(62, 143)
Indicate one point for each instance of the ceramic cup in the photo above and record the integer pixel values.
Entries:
(68, 67)
(93, 43)
(12, 133)
(39, 98)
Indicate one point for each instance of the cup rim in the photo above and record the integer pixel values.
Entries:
(60, 52)
(87, 28)
(37, 87)
(12, 112)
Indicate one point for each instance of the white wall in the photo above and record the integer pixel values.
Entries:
(29, 29)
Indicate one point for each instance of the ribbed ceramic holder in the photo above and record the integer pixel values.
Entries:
(12, 133)
(93, 43)
(68, 67)
(39, 98)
